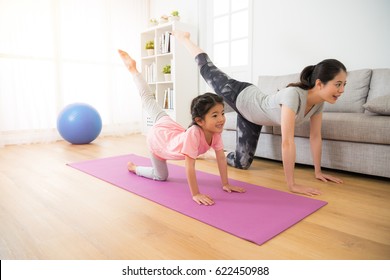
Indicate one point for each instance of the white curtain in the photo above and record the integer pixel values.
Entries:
(57, 52)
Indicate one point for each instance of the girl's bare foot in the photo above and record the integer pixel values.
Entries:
(131, 167)
(128, 61)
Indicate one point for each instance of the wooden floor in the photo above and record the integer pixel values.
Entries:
(51, 211)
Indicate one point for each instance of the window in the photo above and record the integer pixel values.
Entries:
(231, 35)
(56, 52)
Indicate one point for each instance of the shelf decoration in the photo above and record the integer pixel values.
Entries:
(149, 46)
(174, 16)
(163, 19)
(167, 72)
(153, 22)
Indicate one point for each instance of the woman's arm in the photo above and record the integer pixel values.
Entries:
(288, 144)
(222, 167)
(316, 149)
(316, 141)
(289, 152)
(193, 183)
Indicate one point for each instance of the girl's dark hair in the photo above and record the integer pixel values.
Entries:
(201, 104)
(325, 71)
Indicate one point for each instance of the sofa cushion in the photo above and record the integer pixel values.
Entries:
(379, 85)
(356, 127)
(355, 93)
(352, 127)
(379, 105)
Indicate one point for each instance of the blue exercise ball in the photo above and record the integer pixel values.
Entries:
(79, 123)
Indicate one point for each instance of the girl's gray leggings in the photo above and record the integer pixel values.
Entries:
(247, 133)
(159, 169)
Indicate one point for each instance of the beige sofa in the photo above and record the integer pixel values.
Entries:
(355, 130)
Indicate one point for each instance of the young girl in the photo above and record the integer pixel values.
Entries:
(290, 106)
(167, 140)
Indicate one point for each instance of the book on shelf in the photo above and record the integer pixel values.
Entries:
(168, 98)
(150, 72)
(165, 42)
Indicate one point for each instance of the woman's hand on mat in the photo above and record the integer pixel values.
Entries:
(203, 199)
(304, 190)
(325, 178)
(229, 188)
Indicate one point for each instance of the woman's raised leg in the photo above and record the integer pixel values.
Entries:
(222, 84)
(219, 81)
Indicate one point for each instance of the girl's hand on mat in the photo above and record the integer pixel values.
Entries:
(304, 190)
(325, 178)
(203, 199)
(229, 188)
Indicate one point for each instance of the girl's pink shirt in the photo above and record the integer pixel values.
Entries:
(168, 140)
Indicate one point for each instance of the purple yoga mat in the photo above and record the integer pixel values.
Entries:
(257, 215)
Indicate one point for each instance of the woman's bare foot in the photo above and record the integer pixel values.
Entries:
(181, 35)
(131, 167)
(128, 61)
(184, 38)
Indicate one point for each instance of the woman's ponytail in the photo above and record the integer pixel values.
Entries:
(325, 71)
(305, 78)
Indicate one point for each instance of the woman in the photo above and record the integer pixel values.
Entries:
(319, 83)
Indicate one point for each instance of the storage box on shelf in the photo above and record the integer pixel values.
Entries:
(176, 92)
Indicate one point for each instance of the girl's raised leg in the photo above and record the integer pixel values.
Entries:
(148, 100)
(159, 169)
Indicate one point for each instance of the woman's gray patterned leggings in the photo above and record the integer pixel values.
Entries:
(247, 134)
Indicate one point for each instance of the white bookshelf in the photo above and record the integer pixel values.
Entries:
(174, 95)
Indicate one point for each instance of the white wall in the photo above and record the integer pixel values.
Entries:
(291, 34)
(288, 35)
